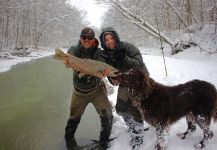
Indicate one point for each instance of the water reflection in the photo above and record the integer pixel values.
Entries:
(34, 107)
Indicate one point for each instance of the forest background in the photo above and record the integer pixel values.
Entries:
(34, 24)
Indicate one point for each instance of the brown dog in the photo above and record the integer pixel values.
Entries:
(162, 105)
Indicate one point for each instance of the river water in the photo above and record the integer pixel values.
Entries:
(34, 107)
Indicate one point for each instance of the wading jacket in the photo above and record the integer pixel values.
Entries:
(86, 83)
(133, 57)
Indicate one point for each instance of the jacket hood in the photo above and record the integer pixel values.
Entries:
(108, 30)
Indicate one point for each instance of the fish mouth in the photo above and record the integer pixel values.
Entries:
(114, 82)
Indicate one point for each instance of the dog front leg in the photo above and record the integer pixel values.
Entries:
(162, 137)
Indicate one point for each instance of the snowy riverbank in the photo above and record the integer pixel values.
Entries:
(185, 66)
(7, 60)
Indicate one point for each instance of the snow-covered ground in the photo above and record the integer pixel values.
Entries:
(185, 66)
(191, 64)
(195, 62)
(7, 61)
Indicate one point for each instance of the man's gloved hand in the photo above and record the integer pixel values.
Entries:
(120, 54)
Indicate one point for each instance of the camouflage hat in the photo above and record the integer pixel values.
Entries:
(87, 32)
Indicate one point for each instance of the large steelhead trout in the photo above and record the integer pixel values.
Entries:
(87, 66)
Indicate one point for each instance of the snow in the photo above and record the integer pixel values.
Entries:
(7, 63)
(185, 66)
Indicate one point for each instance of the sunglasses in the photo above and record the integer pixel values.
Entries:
(87, 37)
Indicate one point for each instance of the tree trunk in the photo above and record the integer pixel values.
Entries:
(34, 27)
(29, 25)
(179, 21)
(177, 13)
(201, 11)
(1, 30)
(168, 17)
(7, 26)
(188, 11)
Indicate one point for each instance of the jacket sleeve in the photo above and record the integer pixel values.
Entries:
(101, 56)
(72, 50)
(133, 58)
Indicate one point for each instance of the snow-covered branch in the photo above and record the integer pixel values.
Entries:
(212, 7)
(144, 25)
(139, 24)
(49, 22)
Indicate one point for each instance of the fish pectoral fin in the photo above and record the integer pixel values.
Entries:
(99, 75)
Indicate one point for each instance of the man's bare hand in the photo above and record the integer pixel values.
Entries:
(67, 62)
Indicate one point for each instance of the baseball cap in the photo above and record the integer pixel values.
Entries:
(87, 32)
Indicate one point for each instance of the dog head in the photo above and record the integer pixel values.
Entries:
(135, 80)
(128, 78)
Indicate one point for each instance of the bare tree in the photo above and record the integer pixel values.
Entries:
(49, 22)
(22, 23)
(188, 16)
(176, 12)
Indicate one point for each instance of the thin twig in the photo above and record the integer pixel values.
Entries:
(161, 43)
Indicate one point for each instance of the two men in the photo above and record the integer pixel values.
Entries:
(121, 55)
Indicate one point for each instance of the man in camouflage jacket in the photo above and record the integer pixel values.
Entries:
(87, 89)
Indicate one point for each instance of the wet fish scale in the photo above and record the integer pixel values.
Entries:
(87, 66)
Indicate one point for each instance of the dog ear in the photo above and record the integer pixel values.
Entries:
(147, 84)
(140, 82)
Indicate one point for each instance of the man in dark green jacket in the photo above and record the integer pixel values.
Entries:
(124, 56)
(87, 89)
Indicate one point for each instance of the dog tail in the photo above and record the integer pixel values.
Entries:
(215, 115)
(215, 111)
